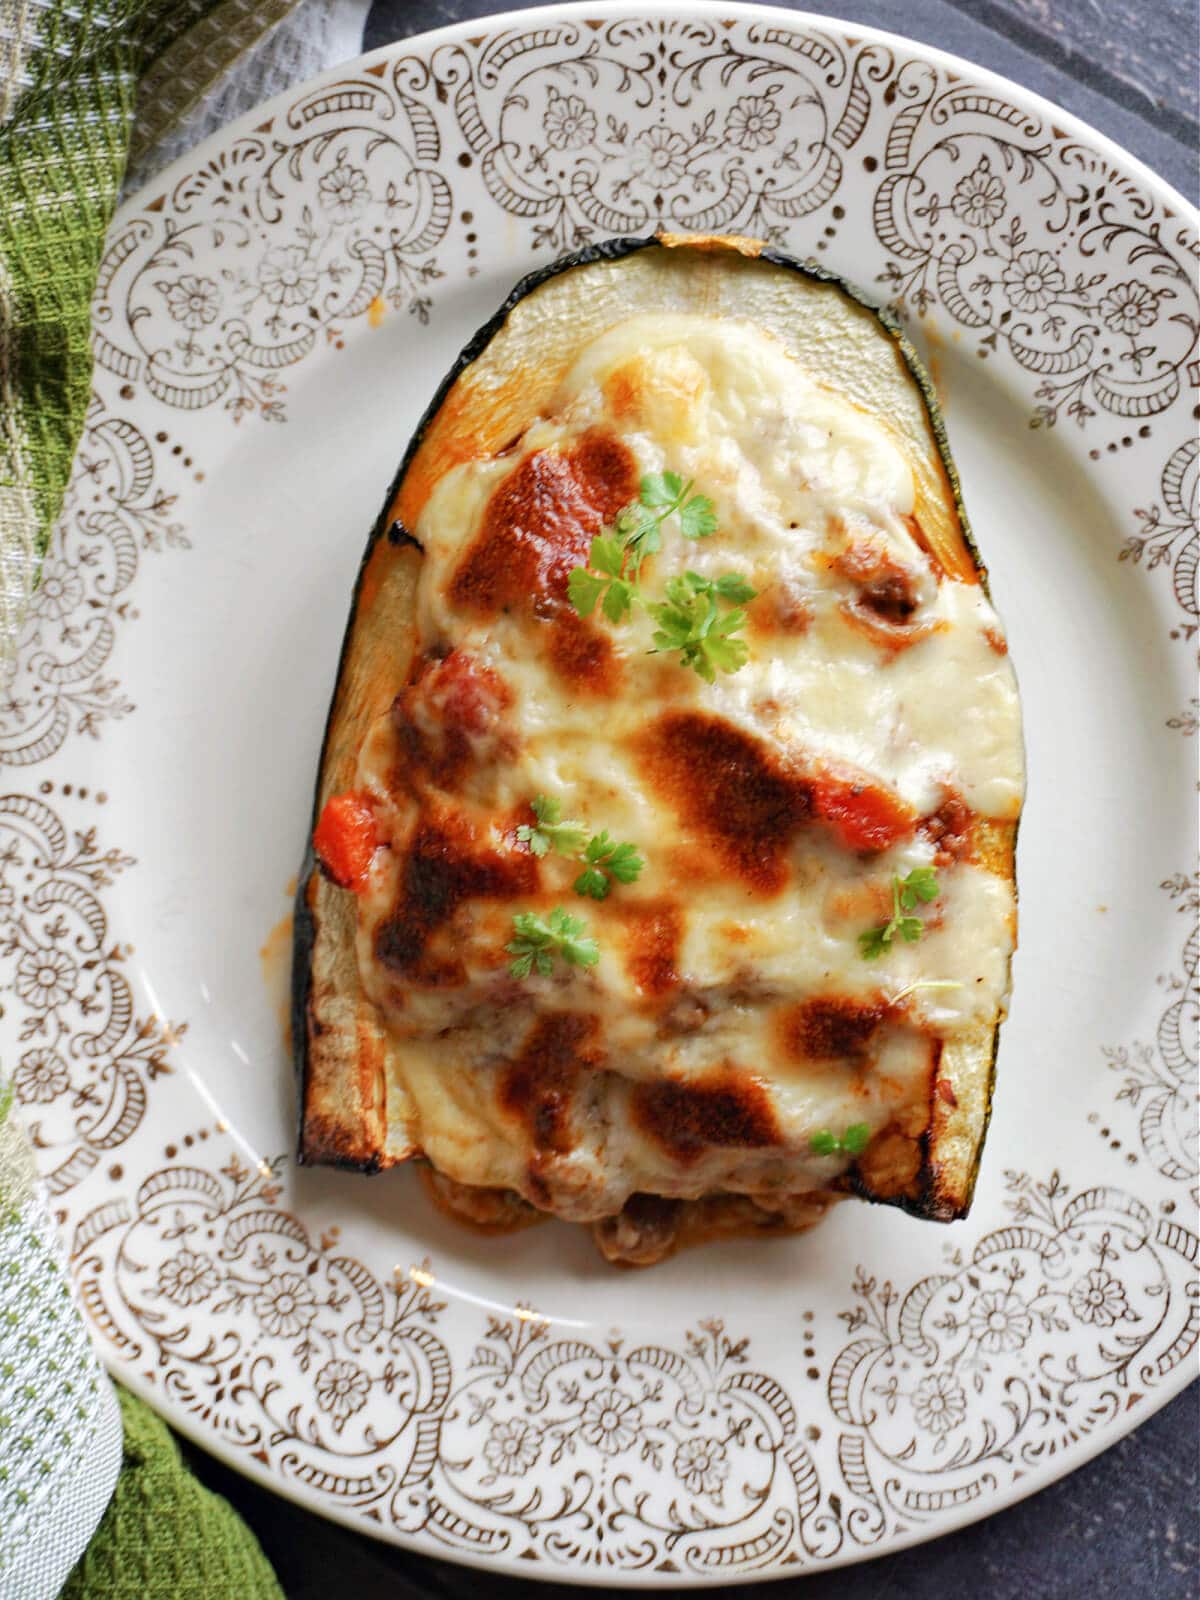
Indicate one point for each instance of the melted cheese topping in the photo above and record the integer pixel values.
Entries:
(731, 1015)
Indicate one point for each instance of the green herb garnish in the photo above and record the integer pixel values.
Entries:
(851, 1143)
(607, 584)
(920, 885)
(660, 494)
(692, 619)
(615, 557)
(606, 860)
(692, 622)
(665, 492)
(538, 940)
(551, 831)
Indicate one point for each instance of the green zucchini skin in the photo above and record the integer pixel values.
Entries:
(925, 1205)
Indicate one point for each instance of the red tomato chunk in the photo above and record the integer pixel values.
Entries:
(345, 840)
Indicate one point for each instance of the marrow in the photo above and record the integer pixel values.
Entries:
(731, 1061)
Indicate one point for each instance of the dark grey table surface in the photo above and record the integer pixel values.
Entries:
(1125, 1525)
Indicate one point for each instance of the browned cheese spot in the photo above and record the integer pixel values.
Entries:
(537, 526)
(731, 789)
(781, 608)
(728, 1109)
(886, 603)
(890, 595)
(652, 935)
(539, 1085)
(747, 803)
(829, 1028)
(443, 867)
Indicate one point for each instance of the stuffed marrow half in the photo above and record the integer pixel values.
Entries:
(662, 867)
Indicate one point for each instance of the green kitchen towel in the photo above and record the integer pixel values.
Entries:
(85, 85)
(165, 1536)
(73, 75)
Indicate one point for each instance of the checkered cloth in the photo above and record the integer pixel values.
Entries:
(60, 1432)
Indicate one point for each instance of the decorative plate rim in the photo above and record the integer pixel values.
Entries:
(685, 10)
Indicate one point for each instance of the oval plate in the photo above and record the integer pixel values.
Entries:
(272, 317)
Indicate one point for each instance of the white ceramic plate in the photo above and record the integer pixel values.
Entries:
(272, 318)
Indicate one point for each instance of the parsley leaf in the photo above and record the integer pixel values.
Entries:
(605, 861)
(851, 1143)
(551, 831)
(873, 943)
(732, 586)
(605, 584)
(618, 599)
(920, 885)
(697, 519)
(689, 621)
(538, 940)
(638, 530)
(661, 489)
(592, 883)
(623, 862)
(719, 650)
(665, 492)
(584, 588)
(610, 580)
(606, 554)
